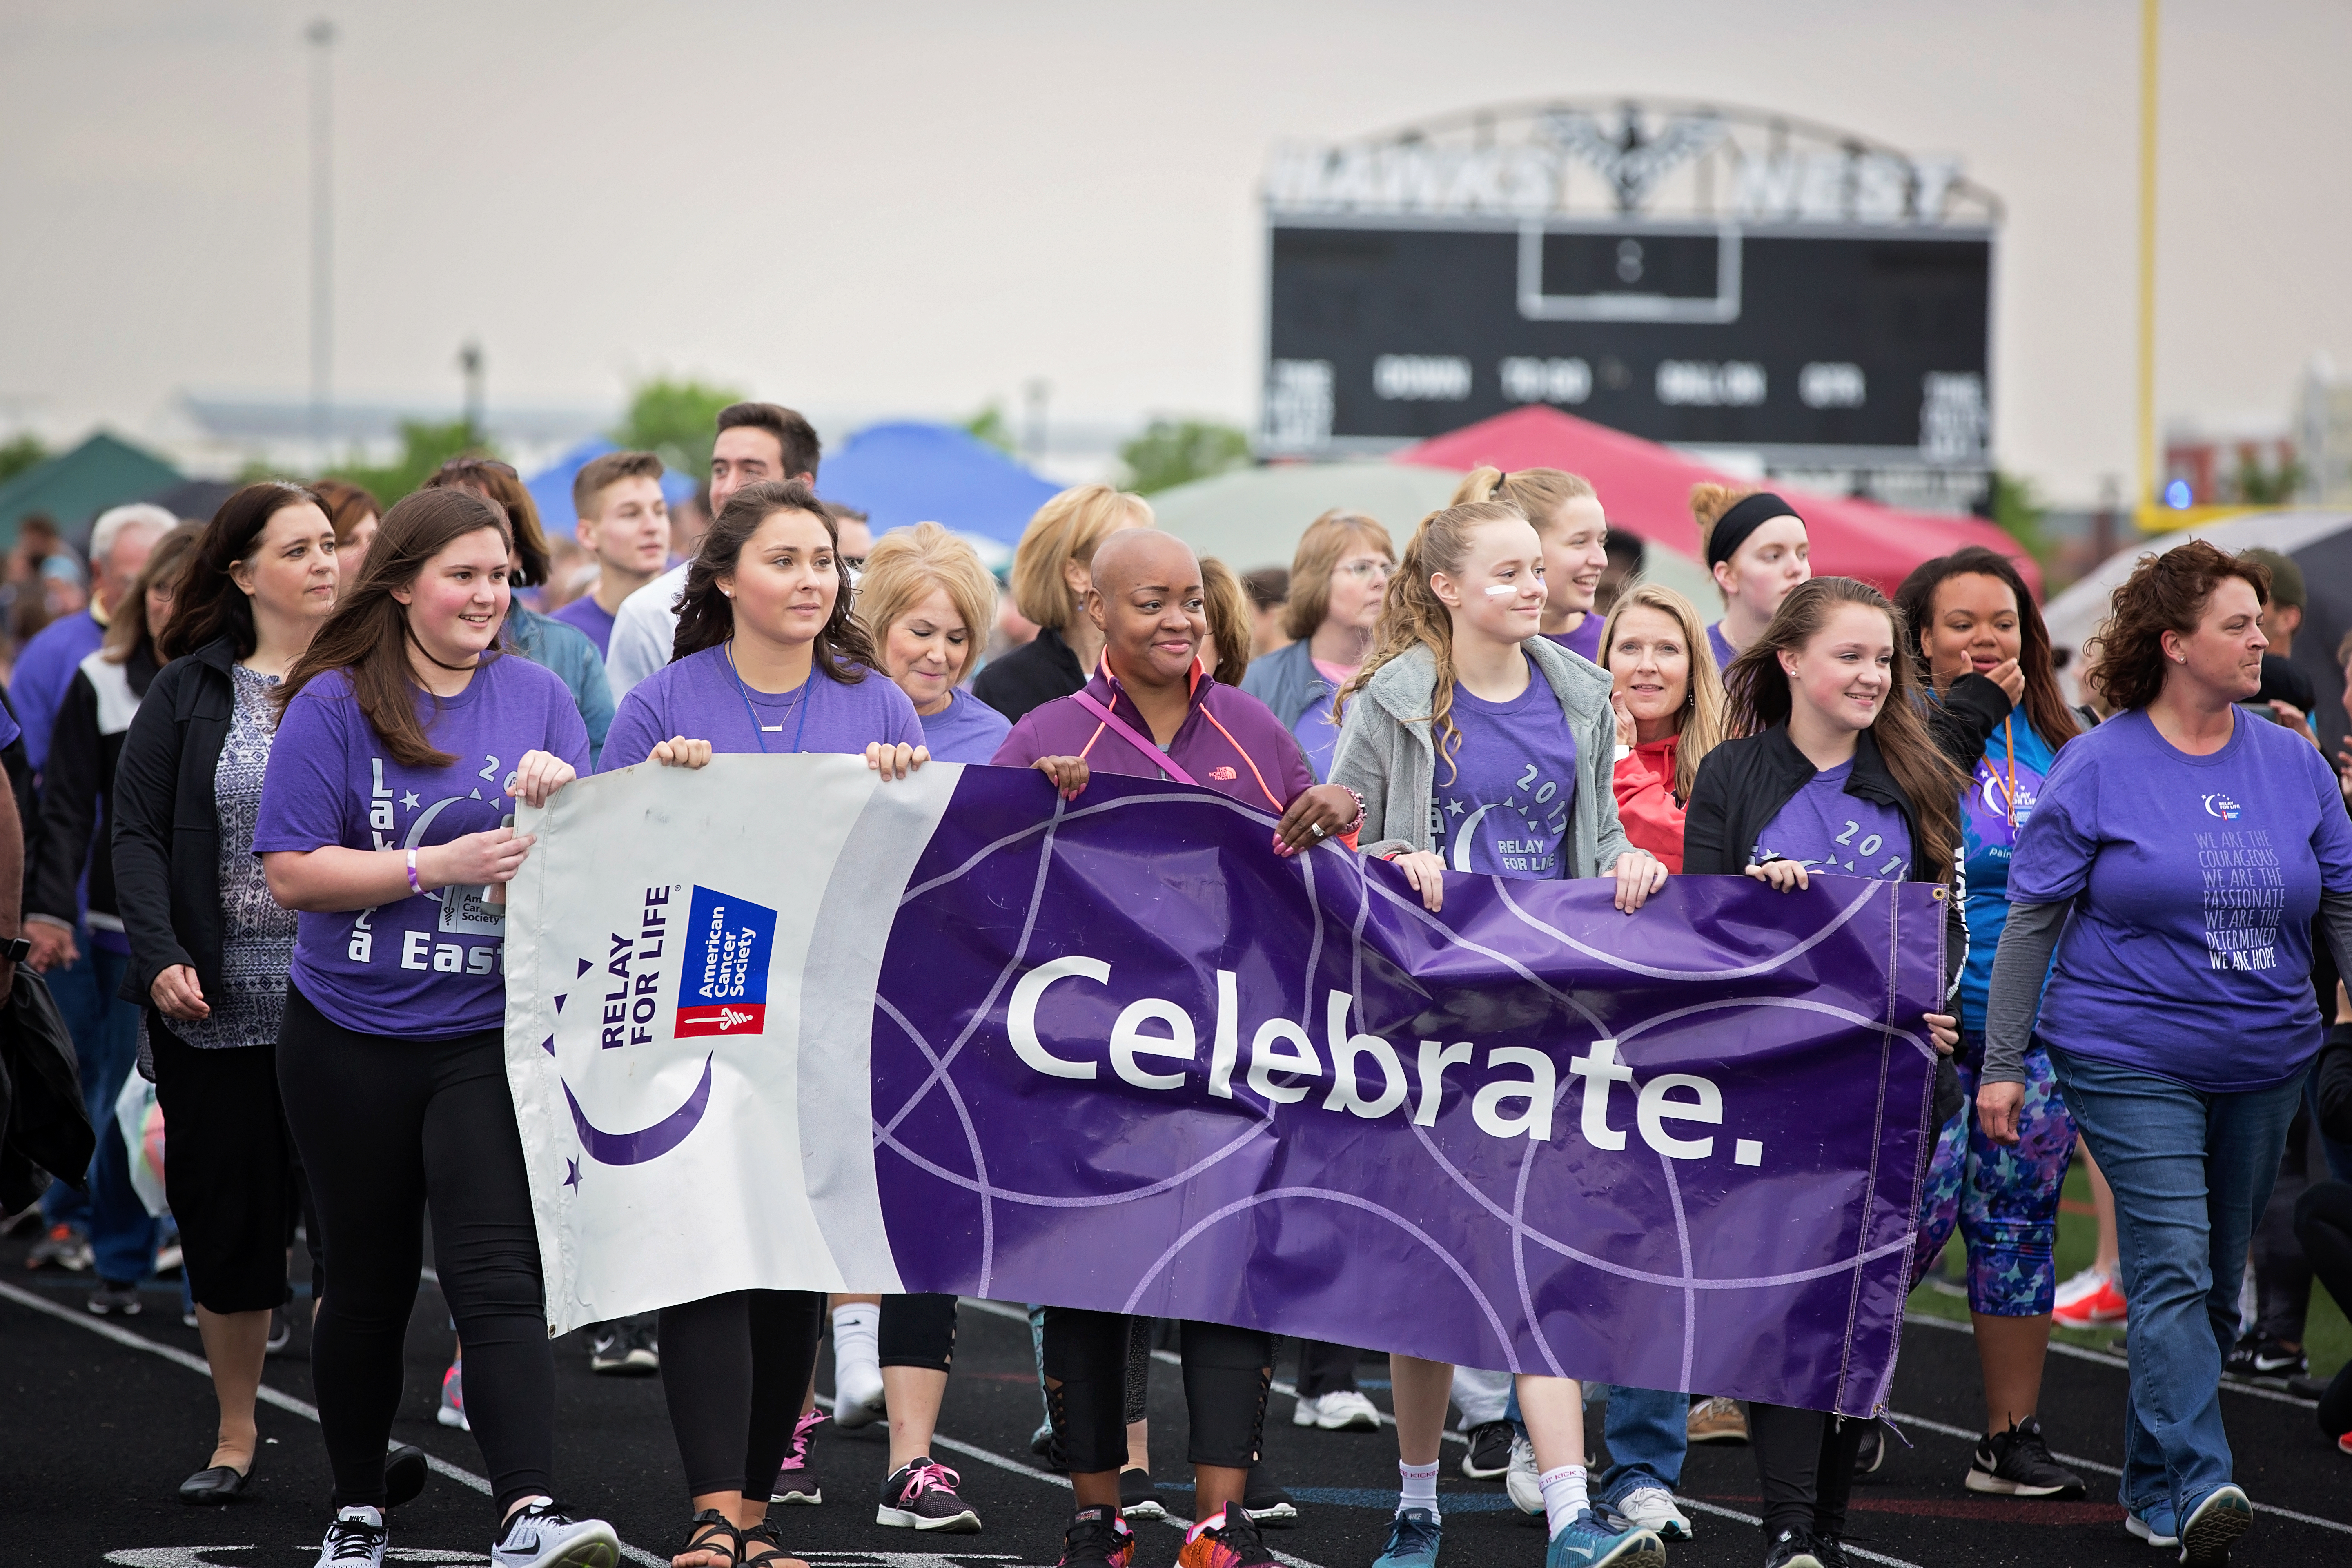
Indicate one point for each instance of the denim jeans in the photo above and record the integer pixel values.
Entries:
(2190, 1171)
(1648, 1432)
(105, 1030)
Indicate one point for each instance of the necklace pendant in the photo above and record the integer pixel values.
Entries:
(772, 729)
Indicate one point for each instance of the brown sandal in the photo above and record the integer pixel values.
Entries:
(765, 1534)
(714, 1533)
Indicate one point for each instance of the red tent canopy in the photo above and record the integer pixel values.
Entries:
(1646, 490)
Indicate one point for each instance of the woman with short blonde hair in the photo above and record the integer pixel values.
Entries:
(1052, 569)
(926, 603)
(1339, 580)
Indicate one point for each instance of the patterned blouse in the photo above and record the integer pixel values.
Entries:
(257, 932)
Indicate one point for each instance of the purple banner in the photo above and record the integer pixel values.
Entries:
(1126, 1057)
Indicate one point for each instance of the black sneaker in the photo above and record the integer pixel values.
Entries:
(1268, 1506)
(1489, 1458)
(622, 1349)
(2258, 1359)
(2017, 1463)
(2305, 1387)
(1096, 1538)
(1137, 1497)
(1870, 1456)
(1830, 1551)
(1794, 1548)
(923, 1496)
(281, 1331)
(114, 1299)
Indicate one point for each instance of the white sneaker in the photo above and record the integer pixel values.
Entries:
(356, 1539)
(541, 1535)
(1653, 1507)
(1341, 1410)
(857, 1395)
(1525, 1482)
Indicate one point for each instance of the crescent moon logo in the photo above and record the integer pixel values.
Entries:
(647, 1143)
(1462, 837)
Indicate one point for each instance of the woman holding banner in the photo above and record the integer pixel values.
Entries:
(1757, 550)
(926, 603)
(2183, 848)
(403, 731)
(1461, 708)
(1836, 774)
(1150, 711)
(769, 659)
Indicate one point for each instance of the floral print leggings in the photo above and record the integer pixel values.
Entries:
(2003, 1200)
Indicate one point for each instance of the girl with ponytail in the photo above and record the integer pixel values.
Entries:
(1567, 517)
(1477, 745)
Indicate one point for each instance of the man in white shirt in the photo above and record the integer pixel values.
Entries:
(756, 441)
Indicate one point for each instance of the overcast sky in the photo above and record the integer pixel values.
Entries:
(918, 207)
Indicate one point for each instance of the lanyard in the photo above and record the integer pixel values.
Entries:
(1133, 736)
(800, 703)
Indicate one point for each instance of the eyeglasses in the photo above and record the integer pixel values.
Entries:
(1365, 570)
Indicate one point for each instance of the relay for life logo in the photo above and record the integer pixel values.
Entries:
(722, 987)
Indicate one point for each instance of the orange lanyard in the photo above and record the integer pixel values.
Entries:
(2010, 740)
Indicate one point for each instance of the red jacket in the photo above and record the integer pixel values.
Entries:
(1645, 782)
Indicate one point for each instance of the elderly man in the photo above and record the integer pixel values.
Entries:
(110, 1219)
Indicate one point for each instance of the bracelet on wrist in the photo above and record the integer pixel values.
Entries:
(413, 885)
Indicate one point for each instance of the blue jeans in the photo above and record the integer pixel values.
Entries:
(2190, 1171)
(1648, 1432)
(105, 1030)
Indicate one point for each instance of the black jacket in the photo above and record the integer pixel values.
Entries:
(76, 790)
(167, 825)
(1963, 721)
(1030, 676)
(2331, 1084)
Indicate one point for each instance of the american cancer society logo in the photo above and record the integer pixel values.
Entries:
(722, 988)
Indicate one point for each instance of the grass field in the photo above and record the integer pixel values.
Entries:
(2327, 1336)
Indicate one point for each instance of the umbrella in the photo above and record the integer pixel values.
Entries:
(905, 473)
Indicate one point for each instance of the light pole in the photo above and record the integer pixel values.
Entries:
(320, 35)
(2149, 482)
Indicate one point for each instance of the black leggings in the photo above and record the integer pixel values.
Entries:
(734, 1370)
(918, 1330)
(388, 1129)
(2323, 1223)
(1805, 1460)
(1227, 1371)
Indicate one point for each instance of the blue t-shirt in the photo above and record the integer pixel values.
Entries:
(966, 731)
(1503, 809)
(1823, 829)
(1990, 835)
(2194, 882)
(430, 965)
(589, 615)
(1316, 735)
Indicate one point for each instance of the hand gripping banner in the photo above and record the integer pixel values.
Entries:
(777, 1025)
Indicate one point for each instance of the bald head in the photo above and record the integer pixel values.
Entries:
(1136, 558)
(1147, 601)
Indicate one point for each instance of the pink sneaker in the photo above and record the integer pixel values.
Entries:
(794, 1482)
(453, 1398)
(2087, 1300)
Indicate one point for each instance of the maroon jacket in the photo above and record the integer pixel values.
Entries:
(1230, 742)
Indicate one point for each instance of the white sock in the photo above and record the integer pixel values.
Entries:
(1563, 1494)
(1420, 1489)
(856, 1336)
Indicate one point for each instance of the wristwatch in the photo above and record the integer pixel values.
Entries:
(15, 949)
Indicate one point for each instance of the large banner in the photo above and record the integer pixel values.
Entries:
(777, 1025)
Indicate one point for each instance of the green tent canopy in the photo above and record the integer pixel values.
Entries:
(75, 486)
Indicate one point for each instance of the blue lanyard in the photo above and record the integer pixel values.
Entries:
(801, 703)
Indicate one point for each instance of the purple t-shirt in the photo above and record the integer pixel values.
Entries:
(967, 731)
(699, 697)
(1724, 652)
(1505, 808)
(2195, 881)
(1823, 829)
(431, 966)
(590, 616)
(1585, 640)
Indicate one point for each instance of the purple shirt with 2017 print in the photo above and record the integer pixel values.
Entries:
(426, 967)
(1504, 807)
(699, 697)
(1825, 829)
(2195, 881)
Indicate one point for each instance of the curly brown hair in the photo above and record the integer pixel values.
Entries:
(2165, 592)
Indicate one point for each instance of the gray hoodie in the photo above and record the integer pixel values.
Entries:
(1387, 756)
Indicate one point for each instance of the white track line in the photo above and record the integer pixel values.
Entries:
(2108, 1358)
(266, 1394)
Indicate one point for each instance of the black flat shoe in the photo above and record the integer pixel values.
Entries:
(403, 1474)
(214, 1488)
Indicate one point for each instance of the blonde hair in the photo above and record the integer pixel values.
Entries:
(1231, 625)
(1537, 493)
(906, 564)
(1700, 725)
(1707, 504)
(1068, 527)
(1327, 538)
(1412, 615)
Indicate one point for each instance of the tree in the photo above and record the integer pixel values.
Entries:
(24, 452)
(2017, 511)
(675, 420)
(1171, 452)
(424, 448)
(2259, 486)
(990, 426)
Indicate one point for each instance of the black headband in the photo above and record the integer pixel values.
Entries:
(1751, 513)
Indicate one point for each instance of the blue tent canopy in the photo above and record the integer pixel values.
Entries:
(907, 473)
(551, 488)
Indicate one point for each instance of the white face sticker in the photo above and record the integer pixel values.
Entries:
(1501, 590)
